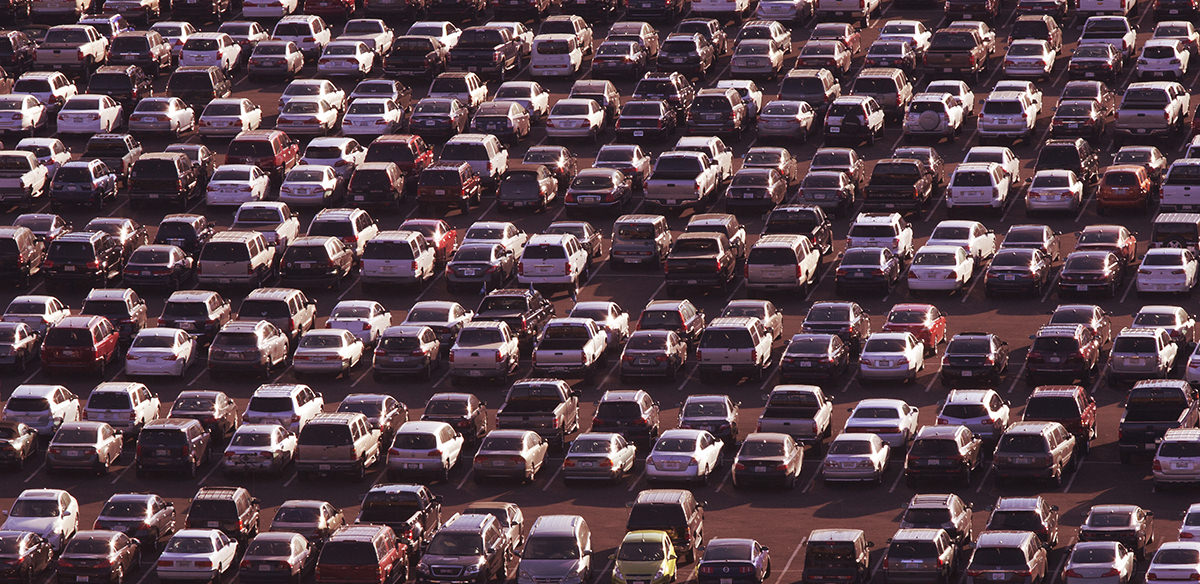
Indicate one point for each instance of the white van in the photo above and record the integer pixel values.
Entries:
(404, 257)
(555, 55)
(782, 262)
(552, 258)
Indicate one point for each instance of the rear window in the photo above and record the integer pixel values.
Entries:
(1021, 443)
(109, 400)
(152, 437)
(544, 252)
(772, 256)
(388, 250)
(225, 252)
(326, 435)
(350, 553)
(68, 337)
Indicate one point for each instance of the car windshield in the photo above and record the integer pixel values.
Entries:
(189, 545)
(34, 508)
(1093, 555)
(850, 447)
(675, 445)
(550, 548)
(640, 552)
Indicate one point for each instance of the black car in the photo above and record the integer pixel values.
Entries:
(88, 257)
(100, 555)
(147, 517)
(807, 220)
(559, 159)
(1026, 514)
(17, 52)
(1078, 118)
(1096, 61)
(164, 177)
(165, 266)
(123, 308)
(202, 158)
(943, 453)
(1074, 154)
(972, 356)
(1018, 271)
(686, 54)
(24, 556)
(711, 29)
(83, 183)
(847, 320)
(415, 56)
(1034, 236)
(619, 59)
(747, 561)
(215, 410)
(1091, 271)
(645, 119)
(189, 232)
(464, 411)
(524, 309)
(671, 87)
(125, 83)
(814, 355)
(867, 267)
(376, 183)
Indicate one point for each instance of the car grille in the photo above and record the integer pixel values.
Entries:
(446, 570)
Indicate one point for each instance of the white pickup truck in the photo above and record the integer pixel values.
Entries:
(22, 178)
(570, 347)
(77, 47)
(803, 412)
(682, 179)
(275, 220)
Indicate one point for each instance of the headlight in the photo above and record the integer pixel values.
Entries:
(573, 578)
(617, 573)
(660, 573)
(473, 569)
(524, 575)
(422, 567)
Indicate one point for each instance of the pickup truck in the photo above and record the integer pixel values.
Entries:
(898, 184)
(570, 347)
(526, 311)
(1153, 407)
(278, 223)
(76, 47)
(22, 178)
(492, 52)
(807, 220)
(117, 151)
(485, 350)
(956, 51)
(547, 406)
(682, 179)
(1151, 109)
(700, 259)
(412, 511)
(803, 412)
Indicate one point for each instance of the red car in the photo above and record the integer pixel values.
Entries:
(271, 150)
(1115, 238)
(409, 151)
(86, 343)
(443, 236)
(924, 321)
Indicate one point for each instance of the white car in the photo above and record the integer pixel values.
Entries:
(912, 32)
(445, 318)
(51, 152)
(973, 236)
(160, 351)
(373, 32)
(1163, 59)
(319, 88)
(504, 233)
(1029, 58)
(784, 10)
(53, 514)
(291, 405)
(327, 351)
(683, 455)
(197, 554)
(855, 457)
(757, 58)
(893, 420)
(307, 115)
(351, 57)
(424, 448)
(387, 88)
(1021, 86)
(530, 94)
(21, 114)
(978, 185)
(1174, 561)
(575, 118)
(88, 113)
(43, 407)
(268, 9)
(372, 116)
(246, 33)
(442, 30)
(1173, 319)
(309, 185)
(230, 116)
(752, 94)
(957, 89)
(168, 115)
(1002, 155)
(1168, 269)
(126, 405)
(945, 268)
(211, 49)
(342, 154)
(265, 448)
(608, 315)
(365, 319)
(891, 356)
(276, 58)
(38, 311)
(1054, 190)
(234, 184)
(1092, 562)
(1190, 527)
(175, 32)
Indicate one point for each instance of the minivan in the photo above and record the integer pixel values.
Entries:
(555, 54)
(640, 238)
(235, 257)
(341, 442)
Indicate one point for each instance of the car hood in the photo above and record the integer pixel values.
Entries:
(39, 525)
(628, 567)
(549, 568)
(436, 560)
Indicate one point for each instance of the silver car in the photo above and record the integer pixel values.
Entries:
(259, 448)
(510, 454)
(84, 445)
(653, 353)
(1099, 562)
(599, 456)
(856, 457)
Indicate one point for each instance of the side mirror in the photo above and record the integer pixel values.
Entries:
(1054, 507)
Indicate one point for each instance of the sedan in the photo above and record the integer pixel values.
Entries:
(18, 443)
(717, 414)
(755, 188)
(617, 59)
(575, 118)
(680, 454)
(510, 454)
(310, 185)
(847, 34)
(327, 351)
(530, 94)
(855, 457)
(315, 520)
(1029, 58)
(598, 188)
(1054, 190)
(234, 184)
(891, 356)
(1034, 236)
(1092, 562)
(19, 345)
(484, 265)
(307, 115)
(831, 55)
(158, 265)
(446, 318)
(27, 556)
(276, 556)
(893, 420)
(197, 554)
(757, 58)
(255, 448)
(21, 114)
(1148, 157)
(1174, 319)
(160, 351)
(641, 119)
(84, 445)
(276, 58)
(1168, 270)
(867, 267)
(1131, 525)
(608, 315)
(1115, 238)
(1096, 61)
(384, 412)
(1089, 271)
(940, 267)
(766, 457)
(169, 115)
(780, 159)
(630, 159)
(786, 119)
(971, 356)
(924, 321)
(346, 57)
(372, 116)
(438, 116)
(831, 190)
(89, 114)
(147, 517)
(108, 556)
(653, 353)
(376, 88)
(373, 32)
(891, 53)
(600, 456)
(1078, 118)
(365, 319)
(559, 159)
(750, 560)
(810, 355)
(229, 117)
(1017, 270)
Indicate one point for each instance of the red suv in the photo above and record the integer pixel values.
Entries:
(86, 343)
(363, 554)
(408, 151)
(924, 321)
(271, 150)
(1069, 405)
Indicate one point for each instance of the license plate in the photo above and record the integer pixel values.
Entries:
(264, 568)
(497, 463)
(213, 524)
(834, 129)
(81, 578)
(439, 191)
(1181, 466)
(726, 368)
(947, 70)
(1081, 288)
(323, 467)
(1152, 447)
(638, 133)
(968, 373)
(162, 452)
(68, 268)
(997, 576)
(1009, 278)
(474, 373)
(1089, 74)
(756, 469)
(412, 465)
(586, 464)
(805, 364)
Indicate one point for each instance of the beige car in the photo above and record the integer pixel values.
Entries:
(84, 445)
(341, 442)
(510, 454)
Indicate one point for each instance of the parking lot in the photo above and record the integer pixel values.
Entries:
(778, 519)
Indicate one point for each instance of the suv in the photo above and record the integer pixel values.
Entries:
(337, 442)
(943, 452)
(341, 559)
(146, 49)
(289, 405)
(856, 117)
(187, 231)
(1074, 154)
(1026, 514)
(1035, 450)
(21, 254)
(671, 87)
(235, 257)
(940, 511)
(126, 406)
(161, 176)
(1063, 351)
(920, 555)
(735, 344)
(484, 152)
(889, 86)
(638, 238)
(198, 312)
(230, 509)
(316, 260)
(1070, 405)
(255, 346)
(466, 540)
(717, 111)
(80, 342)
(675, 511)
(836, 555)
(121, 306)
(215, 410)
(83, 182)
(1008, 115)
(982, 411)
(631, 413)
(199, 85)
(1141, 353)
(287, 308)
(1004, 555)
(464, 411)
(172, 444)
(448, 184)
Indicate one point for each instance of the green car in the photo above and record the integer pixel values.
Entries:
(645, 557)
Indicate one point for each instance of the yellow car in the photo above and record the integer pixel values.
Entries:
(645, 557)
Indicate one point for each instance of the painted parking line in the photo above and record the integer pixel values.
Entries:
(636, 481)
(1016, 379)
(984, 480)
(197, 377)
(603, 572)
(811, 481)
(1050, 288)
(35, 472)
(813, 288)
(464, 479)
(208, 475)
(1128, 289)
(32, 375)
(980, 274)
(361, 376)
(787, 566)
(1074, 475)
(550, 482)
(896, 483)
(349, 288)
(118, 476)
